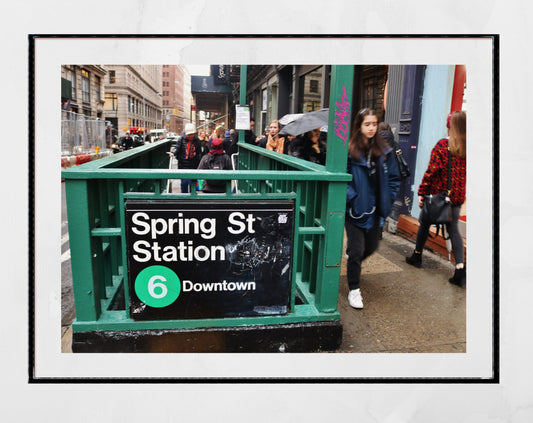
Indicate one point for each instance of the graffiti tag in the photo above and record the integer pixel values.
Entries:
(341, 116)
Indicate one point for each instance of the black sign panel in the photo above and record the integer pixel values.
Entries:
(204, 259)
(220, 74)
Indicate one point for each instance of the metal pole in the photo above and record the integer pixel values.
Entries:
(242, 94)
(334, 193)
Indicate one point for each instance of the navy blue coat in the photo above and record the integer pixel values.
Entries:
(361, 198)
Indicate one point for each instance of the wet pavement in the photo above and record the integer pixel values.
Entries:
(406, 309)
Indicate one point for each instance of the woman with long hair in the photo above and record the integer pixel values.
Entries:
(435, 181)
(274, 141)
(371, 192)
(204, 142)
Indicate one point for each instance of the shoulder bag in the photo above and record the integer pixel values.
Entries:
(403, 167)
(437, 209)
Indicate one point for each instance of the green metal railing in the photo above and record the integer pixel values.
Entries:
(96, 193)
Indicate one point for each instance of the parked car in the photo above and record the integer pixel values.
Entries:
(137, 141)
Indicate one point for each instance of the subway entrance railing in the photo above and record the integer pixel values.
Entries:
(118, 208)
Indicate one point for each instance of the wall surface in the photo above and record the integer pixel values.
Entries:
(436, 100)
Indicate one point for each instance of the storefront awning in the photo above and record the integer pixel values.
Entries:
(206, 84)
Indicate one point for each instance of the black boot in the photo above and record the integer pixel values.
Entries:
(459, 277)
(415, 259)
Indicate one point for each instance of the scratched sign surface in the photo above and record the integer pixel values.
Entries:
(205, 259)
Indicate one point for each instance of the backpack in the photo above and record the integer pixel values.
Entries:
(214, 162)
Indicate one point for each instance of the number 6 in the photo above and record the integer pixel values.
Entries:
(153, 285)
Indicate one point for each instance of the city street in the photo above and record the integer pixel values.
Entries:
(405, 309)
(67, 296)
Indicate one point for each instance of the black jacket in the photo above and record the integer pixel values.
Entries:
(403, 167)
(187, 160)
(249, 137)
(230, 145)
(302, 147)
(204, 147)
(127, 143)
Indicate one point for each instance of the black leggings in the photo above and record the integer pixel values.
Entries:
(360, 244)
(453, 230)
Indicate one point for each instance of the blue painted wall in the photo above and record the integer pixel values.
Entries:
(436, 103)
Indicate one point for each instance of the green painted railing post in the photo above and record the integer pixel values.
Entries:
(80, 216)
(334, 193)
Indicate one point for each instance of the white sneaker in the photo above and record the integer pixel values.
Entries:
(355, 299)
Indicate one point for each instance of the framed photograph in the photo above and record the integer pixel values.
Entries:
(444, 333)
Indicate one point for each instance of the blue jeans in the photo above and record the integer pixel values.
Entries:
(186, 185)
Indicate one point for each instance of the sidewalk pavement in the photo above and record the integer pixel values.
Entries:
(406, 309)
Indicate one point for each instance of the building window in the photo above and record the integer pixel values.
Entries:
(310, 91)
(71, 76)
(85, 86)
(129, 104)
(97, 88)
(372, 87)
(111, 101)
(112, 78)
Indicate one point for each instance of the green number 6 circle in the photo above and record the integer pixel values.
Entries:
(157, 286)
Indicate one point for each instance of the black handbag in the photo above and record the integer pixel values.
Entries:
(403, 167)
(437, 209)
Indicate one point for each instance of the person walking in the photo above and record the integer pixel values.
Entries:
(216, 159)
(187, 152)
(435, 181)
(249, 135)
(370, 194)
(127, 142)
(262, 139)
(204, 142)
(227, 142)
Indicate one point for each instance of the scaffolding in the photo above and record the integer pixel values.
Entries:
(81, 134)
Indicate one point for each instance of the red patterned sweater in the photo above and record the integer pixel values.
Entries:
(435, 179)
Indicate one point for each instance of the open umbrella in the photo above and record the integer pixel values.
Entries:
(307, 122)
(290, 118)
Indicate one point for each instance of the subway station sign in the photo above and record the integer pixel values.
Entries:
(208, 259)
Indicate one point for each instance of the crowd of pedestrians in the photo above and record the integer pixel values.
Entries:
(373, 163)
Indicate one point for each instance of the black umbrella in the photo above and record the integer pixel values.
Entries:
(290, 118)
(307, 122)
